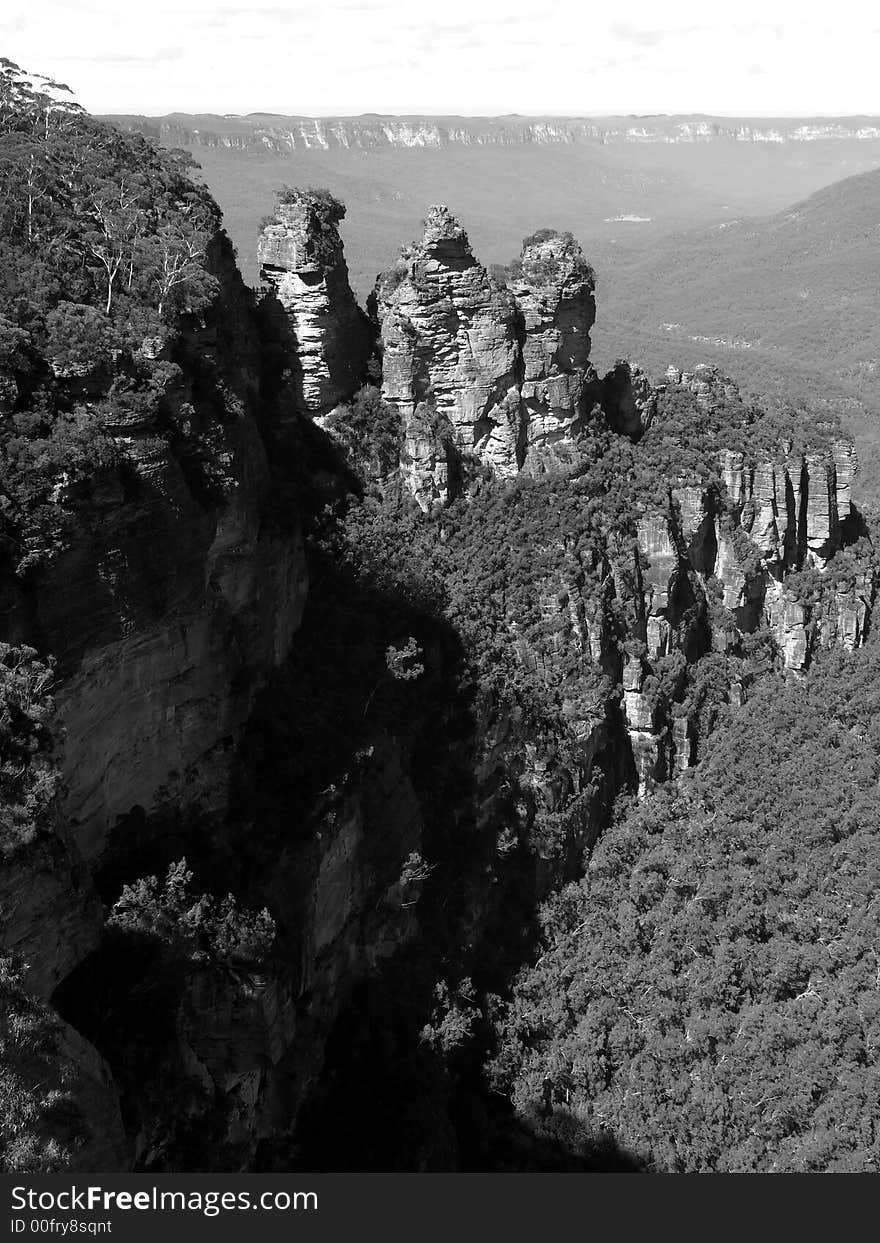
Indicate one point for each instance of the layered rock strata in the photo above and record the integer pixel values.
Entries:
(484, 376)
(166, 607)
(553, 288)
(710, 563)
(302, 262)
(450, 362)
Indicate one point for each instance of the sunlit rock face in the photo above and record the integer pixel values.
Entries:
(492, 378)
(553, 287)
(450, 362)
(483, 375)
(301, 259)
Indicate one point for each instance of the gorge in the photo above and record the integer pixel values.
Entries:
(333, 641)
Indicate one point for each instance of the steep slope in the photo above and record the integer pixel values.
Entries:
(708, 992)
(142, 557)
(783, 302)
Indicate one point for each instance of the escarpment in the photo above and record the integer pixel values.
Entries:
(150, 580)
(174, 597)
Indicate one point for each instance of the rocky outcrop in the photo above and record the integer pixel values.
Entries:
(629, 399)
(496, 378)
(553, 288)
(485, 376)
(792, 507)
(450, 359)
(301, 260)
(101, 1143)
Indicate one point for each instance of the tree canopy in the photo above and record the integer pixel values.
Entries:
(709, 992)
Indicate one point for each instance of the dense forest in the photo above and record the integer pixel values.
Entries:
(429, 925)
(104, 244)
(709, 990)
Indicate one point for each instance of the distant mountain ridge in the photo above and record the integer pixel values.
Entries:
(786, 301)
(279, 133)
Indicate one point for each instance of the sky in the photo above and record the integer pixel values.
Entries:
(468, 57)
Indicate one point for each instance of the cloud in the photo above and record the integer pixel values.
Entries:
(159, 56)
(525, 56)
(635, 34)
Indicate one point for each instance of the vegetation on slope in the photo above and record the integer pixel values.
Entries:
(421, 634)
(786, 304)
(105, 243)
(709, 990)
(28, 760)
(41, 1124)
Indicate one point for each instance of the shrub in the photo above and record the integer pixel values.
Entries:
(370, 432)
(40, 1122)
(28, 766)
(196, 927)
(78, 338)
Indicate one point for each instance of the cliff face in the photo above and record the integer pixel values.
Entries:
(301, 260)
(283, 134)
(553, 288)
(50, 915)
(171, 598)
(744, 540)
(175, 598)
(482, 375)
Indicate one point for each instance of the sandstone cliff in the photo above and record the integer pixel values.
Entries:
(176, 597)
(553, 288)
(301, 260)
(449, 362)
(283, 134)
(170, 597)
(482, 375)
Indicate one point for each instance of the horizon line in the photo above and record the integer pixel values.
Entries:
(494, 116)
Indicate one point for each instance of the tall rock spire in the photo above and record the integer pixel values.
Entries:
(301, 260)
(485, 375)
(450, 361)
(553, 286)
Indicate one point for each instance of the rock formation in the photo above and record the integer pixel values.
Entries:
(167, 612)
(281, 134)
(707, 564)
(482, 375)
(553, 288)
(301, 260)
(450, 356)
